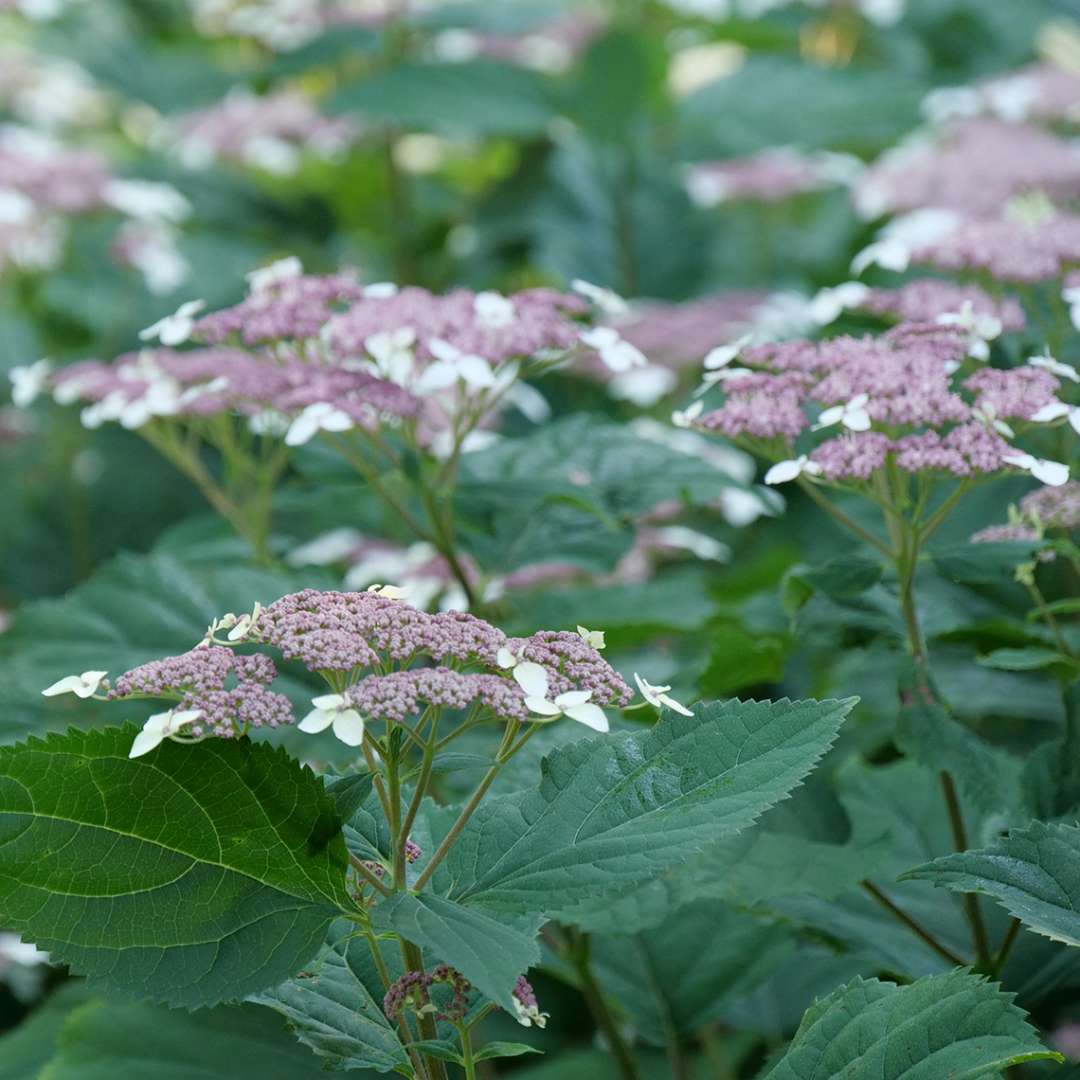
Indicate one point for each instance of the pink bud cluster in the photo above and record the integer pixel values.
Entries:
(974, 168)
(925, 299)
(230, 690)
(769, 176)
(1054, 507)
(919, 407)
(402, 694)
(413, 991)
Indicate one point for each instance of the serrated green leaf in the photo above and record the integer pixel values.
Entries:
(334, 1005)
(955, 1025)
(490, 954)
(193, 875)
(614, 811)
(106, 1040)
(1033, 872)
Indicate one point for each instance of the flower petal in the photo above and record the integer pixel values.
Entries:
(349, 727)
(572, 698)
(317, 720)
(532, 678)
(783, 471)
(590, 715)
(672, 704)
(144, 742)
(542, 707)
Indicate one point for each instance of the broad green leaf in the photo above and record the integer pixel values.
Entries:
(27, 1048)
(490, 954)
(504, 1049)
(617, 810)
(193, 875)
(476, 97)
(334, 1006)
(984, 564)
(1051, 779)
(106, 1040)
(955, 1025)
(676, 978)
(1033, 872)
(840, 579)
(1031, 658)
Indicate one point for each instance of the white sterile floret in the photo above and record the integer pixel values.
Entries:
(321, 416)
(29, 381)
(658, 696)
(267, 277)
(246, 625)
(988, 417)
(84, 685)
(1055, 367)
(533, 679)
(1056, 410)
(493, 310)
(391, 353)
(684, 418)
(852, 415)
(615, 352)
(380, 290)
(159, 727)
(450, 366)
(1051, 473)
(608, 301)
(783, 471)
(387, 592)
(980, 329)
(335, 711)
(828, 304)
(176, 328)
(593, 638)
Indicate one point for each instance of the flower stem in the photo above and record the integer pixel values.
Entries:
(467, 1052)
(903, 917)
(1006, 947)
(971, 900)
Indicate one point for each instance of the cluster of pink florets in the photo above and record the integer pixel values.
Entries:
(402, 694)
(413, 991)
(572, 664)
(924, 300)
(200, 679)
(1054, 507)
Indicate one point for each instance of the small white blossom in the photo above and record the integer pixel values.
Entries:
(783, 471)
(533, 679)
(617, 354)
(644, 386)
(159, 727)
(380, 290)
(828, 304)
(608, 301)
(852, 415)
(334, 711)
(657, 696)
(1052, 473)
(1055, 411)
(321, 416)
(84, 685)
(722, 355)
(684, 418)
(988, 417)
(246, 625)
(388, 592)
(450, 366)
(147, 200)
(493, 310)
(267, 277)
(391, 352)
(593, 638)
(176, 328)
(980, 329)
(1055, 367)
(29, 381)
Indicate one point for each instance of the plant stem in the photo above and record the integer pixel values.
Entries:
(579, 949)
(414, 961)
(1048, 617)
(368, 876)
(1006, 947)
(971, 900)
(467, 1052)
(903, 917)
(853, 526)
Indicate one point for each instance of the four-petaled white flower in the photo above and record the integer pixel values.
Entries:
(616, 353)
(266, 277)
(828, 304)
(246, 624)
(980, 329)
(684, 418)
(176, 328)
(608, 301)
(1055, 411)
(451, 365)
(159, 727)
(27, 382)
(1055, 367)
(84, 685)
(533, 679)
(657, 696)
(387, 592)
(493, 310)
(391, 352)
(988, 417)
(783, 471)
(335, 711)
(853, 415)
(595, 638)
(322, 416)
(1052, 473)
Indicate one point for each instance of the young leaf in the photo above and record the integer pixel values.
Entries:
(1033, 872)
(193, 875)
(504, 1049)
(956, 1025)
(490, 954)
(615, 811)
(334, 1006)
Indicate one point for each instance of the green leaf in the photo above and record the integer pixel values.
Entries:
(504, 1049)
(839, 579)
(477, 97)
(984, 564)
(490, 954)
(1033, 872)
(350, 793)
(436, 1048)
(334, 1006)
(193, 875)
(26, 1049)
(110, 1041)
(615, 811)
(955, 1025)
(1029, 658)
(676, 979)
